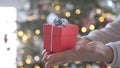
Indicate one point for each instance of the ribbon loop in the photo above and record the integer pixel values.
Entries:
(60, 22)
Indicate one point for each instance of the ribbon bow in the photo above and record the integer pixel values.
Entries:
(61, 22)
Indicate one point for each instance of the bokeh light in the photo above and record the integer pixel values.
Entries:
(84, 29)
(20, 64)
(57, 8)
(77, 11)
(24, 38)
(65, 64)
(57, 66)
(28, 61)
(36, 66)
(101, 19)
(42, 17)
(21, 51)
(37, 31)
(36, 58)
(98, 11)
(77, 62)
(29, 57)
(67, 14)
(109, 67)
(33, 17)
(20, 33)
(92, 27)
(88, 66)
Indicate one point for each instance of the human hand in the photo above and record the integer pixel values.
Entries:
(81, 41)
(93, 51)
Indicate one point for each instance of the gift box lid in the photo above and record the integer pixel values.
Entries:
(69, 29)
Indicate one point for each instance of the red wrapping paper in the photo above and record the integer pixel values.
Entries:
(57, 39)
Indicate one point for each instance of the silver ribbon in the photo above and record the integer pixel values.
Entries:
(60, 22)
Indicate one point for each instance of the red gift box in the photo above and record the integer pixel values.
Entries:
(57, 38)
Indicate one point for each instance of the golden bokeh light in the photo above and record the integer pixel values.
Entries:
(20, 64)
(57, 8)
(36, 66)
(98, 62)
(77, 11)
(53, 4)
(84, 29)
(92, 27)
(103, 15)
(24, 38)
(29, 57)
(28, 61)
(109, 67)
(106, 14)
(21, 51)
(66, 64)
(88, 66)
(35, 37)
(42, 17)
(77, 62)
(98, 11)
(20, 33)
(30, 18)
(37, 31)
(21, 67)
(67, 14)
(33, 17)
(57, 66)
(101, 19)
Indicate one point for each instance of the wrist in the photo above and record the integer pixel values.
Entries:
(109, 54)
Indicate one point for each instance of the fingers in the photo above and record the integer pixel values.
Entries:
(45, 54)
(55, 56)
(58, 58)
(61, 55)
(95, 43)
(48, 56)
(92, 43)
(44, 58)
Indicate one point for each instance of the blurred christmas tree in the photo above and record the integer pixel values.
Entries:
(88, 14)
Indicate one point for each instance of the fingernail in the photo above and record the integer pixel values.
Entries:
(49, 57)
(44, 59)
